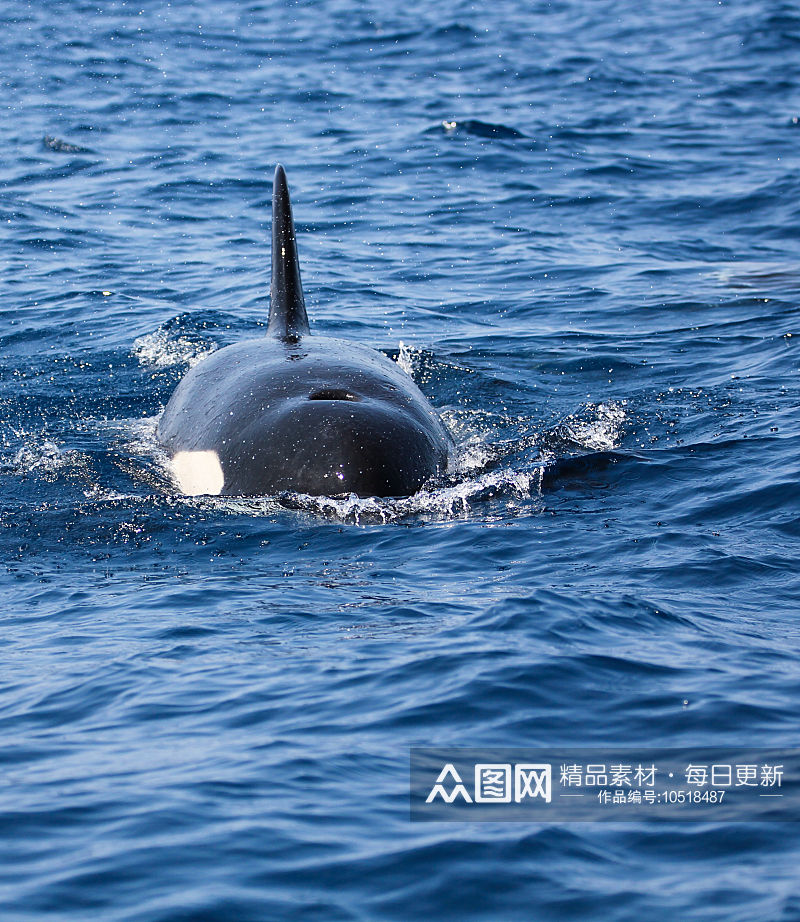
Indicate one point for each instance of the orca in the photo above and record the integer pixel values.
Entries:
(296, 412)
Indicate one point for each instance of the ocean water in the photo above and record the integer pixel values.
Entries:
(577, 225)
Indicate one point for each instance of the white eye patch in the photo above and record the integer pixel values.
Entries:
(198, 473)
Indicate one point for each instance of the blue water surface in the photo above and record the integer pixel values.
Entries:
(577, 224)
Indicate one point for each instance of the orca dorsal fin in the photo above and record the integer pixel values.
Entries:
(287, 310)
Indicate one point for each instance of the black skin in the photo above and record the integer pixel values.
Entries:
(301, 413)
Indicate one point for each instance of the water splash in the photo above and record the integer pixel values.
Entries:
(408, 358)
(597, 427)
(515, 490)
(164, 348)
(141, 455)
(43, 457)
